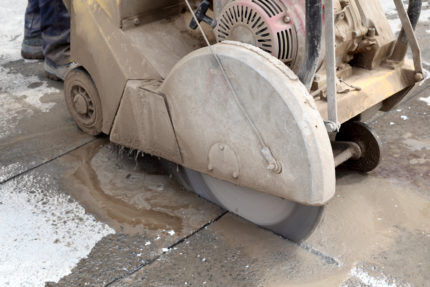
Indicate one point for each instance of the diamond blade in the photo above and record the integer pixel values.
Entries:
(291, 220)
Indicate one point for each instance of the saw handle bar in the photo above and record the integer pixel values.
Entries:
(314, 30)
(409, 21)
(314, 17)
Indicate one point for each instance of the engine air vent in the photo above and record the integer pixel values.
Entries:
(259, 23)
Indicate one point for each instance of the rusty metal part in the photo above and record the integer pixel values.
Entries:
(369, 144)
(83, 101)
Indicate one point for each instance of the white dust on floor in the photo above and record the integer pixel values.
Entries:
(391, 12)
(43, 234)
(18, 98)
(426, 100)
(379, 280)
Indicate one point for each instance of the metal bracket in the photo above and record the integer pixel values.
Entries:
(332, 124)
(332, 127)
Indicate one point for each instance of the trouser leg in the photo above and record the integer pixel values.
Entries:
(32, 44)
(55, 27)
(32, 20)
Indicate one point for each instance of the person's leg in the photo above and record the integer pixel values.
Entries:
(55, 26)
(32, 45)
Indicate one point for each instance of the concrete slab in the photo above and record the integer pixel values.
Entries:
(35, 125)
(231, 252)
(43, 231)
(405, 134)
(148, 210)
(369, 237)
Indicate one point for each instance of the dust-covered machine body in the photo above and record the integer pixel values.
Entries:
(239, 93)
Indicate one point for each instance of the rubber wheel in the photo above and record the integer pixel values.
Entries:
(83, 101)
(369, 143)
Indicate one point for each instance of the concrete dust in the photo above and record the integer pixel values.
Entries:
(371, 208)
(360, 276)
(43, 233)
(425, 100)
(417, 145)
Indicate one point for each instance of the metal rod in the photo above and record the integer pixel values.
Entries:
(330, 62)
(352, 151)
(401, 47)
(410, 35)
(343, 156)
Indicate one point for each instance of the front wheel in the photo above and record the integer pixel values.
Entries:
(83, 101)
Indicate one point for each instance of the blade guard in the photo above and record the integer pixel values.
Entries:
(266, 134)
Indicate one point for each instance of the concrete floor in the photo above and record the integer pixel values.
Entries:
(375, 232)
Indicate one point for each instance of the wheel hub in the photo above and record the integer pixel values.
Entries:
(81, 104)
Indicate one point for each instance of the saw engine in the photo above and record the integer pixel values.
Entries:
(278, 27)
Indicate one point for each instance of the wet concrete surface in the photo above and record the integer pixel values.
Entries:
(405, 134)
(148, 210)
(132, 193)
(34, 129)
(232, 252)
(375, 232)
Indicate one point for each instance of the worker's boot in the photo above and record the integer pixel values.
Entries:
(32, 48)
(58, 72)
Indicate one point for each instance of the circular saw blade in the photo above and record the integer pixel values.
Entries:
(291, 220)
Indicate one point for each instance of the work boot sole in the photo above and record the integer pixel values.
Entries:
(30, 56)
(30, 52)
(52, 77)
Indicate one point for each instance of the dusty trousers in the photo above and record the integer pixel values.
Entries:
(49, 20)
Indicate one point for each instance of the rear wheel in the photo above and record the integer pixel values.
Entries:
(291, 220)
(368, 141)
(83, 101)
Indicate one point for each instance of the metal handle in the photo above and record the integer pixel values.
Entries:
(409, 21)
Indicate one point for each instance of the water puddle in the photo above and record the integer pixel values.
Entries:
(131, 195)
